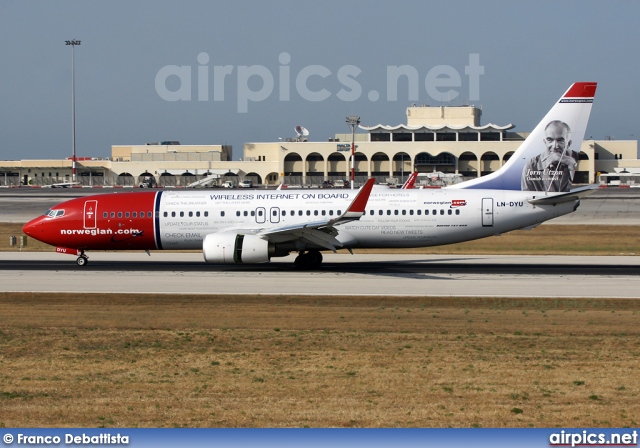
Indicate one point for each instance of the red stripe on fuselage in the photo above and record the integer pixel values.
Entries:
(123, 221)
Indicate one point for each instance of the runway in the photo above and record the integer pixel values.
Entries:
(365, 274)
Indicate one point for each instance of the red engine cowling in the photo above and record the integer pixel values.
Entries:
(232, 248)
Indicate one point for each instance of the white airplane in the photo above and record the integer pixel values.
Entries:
(255, 226)
(62, 185)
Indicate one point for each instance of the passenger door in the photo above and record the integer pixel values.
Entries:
(487, 212)
(90, 213)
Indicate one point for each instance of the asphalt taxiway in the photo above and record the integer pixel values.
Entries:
(341, 274)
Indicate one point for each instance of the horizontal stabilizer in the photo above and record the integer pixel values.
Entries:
(561, 198)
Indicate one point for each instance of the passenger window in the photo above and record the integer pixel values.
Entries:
(284, 213)
(166, 214)
(119, 214)
(253, 213)
(404, 212)
(113, 214)
(388, 212)
(442, 212)
(324, 212)
(380, 212)
(331, 213)
(173, 214)
(449, 212)
(457, 212)
(260, 213)
(339, 213)
(395, 212)
(238, 213)
(190, 214)
(206, 214)
(222, 214)
(182, 214)
(426, 212)
(308, 212)
(419, 212)
(434, 212)
(197, 214)
(315, 213)
(105, 215)
(135, 214)
(411, 212)
(126, 214)
(149, 214)
(299, 212)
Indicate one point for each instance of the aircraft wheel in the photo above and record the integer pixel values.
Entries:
(315, 259)
(308, 260)
(302, 261)
(82, 260)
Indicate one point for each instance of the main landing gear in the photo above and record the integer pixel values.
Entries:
(82, 260)
(308, 260)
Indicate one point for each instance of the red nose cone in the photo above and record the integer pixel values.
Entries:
(28, 228)
(34, 228)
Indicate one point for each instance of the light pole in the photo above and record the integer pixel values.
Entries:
(353, 121)
(73, 44)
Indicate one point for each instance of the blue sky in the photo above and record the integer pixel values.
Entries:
(530, 52)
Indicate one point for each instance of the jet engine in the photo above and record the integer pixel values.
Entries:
(231, 248)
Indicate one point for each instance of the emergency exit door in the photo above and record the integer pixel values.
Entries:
(487, 212)
(261, 215)
(274, 215)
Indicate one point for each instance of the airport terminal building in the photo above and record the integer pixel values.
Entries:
(444, 143)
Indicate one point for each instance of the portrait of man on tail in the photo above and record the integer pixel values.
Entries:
(554, 168)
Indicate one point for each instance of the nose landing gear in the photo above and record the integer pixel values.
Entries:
(82, 260)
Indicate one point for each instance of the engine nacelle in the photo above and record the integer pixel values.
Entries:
(231, 248)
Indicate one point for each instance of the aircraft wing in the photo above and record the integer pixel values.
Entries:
(321, 232)
(568, 196)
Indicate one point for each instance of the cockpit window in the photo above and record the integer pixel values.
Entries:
(54, 213)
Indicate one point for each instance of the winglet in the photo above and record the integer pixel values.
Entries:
(411, 181)
(356, 209)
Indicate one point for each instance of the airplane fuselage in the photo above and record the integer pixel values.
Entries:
(182, 219)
